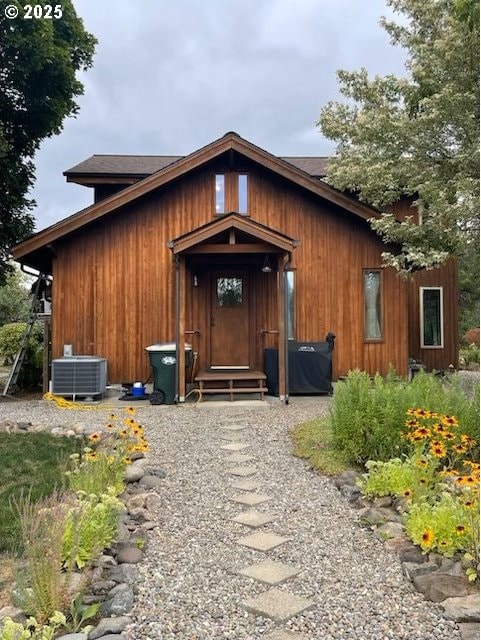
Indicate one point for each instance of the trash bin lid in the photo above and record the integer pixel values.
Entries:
(166, 346)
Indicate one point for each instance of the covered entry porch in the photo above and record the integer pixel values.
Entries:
(230, 303)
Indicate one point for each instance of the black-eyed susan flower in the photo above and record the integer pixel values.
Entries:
(422, 480)
(412, 423)
(459, 448)
(407, 493)
(421, 413)
(94, 437)
(422, 462)
(91, 455)
(110, 426)
(438, 451)
(112, 416)
(123, 433)
(127, 460)
(460, 529)
(130, 411)
(452, 421)
(427, 538)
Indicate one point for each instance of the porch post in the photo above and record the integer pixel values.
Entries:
(181, 333)
(281, 325)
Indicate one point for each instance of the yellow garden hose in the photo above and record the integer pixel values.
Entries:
(62, 403)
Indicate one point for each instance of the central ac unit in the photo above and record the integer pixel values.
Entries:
(79, 376)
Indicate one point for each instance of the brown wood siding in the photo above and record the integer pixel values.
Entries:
(445, 277)
(114, 280)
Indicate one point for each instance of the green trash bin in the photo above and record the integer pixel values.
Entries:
(162, 360)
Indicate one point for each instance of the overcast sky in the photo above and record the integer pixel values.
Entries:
(169, 77)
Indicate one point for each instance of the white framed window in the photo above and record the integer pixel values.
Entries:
(431, 317)
(372, 304)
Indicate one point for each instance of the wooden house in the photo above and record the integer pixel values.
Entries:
(233, 250)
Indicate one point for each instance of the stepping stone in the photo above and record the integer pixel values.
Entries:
(283, 635)
(270, 572)
(242, 471)
(234, 427)
(278, 605)
(262, 541)
(250, 499)
(235, 446)
(253, 518)
(246, 485)
(231, 435)
(239, 457)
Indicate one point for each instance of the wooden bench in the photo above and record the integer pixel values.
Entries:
(231, 382)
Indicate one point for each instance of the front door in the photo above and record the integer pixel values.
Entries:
(229, 320)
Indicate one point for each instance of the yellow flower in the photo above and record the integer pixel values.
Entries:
(94, 437)
(127, 460)
(438, 450)
(459, 448)
(130, 411)
(427, 538)
(423, 432)
(91, 456)
(110, 426)
(452, 421)
(420, 413)
(422, 462)
(407, 493)
(460, 529)
(112, 416)
(412, 423)
(124, 433)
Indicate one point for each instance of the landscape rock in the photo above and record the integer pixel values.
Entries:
(383, 501)
(148, 526)
(139, 515)
(390, 530)
(373, 516)
(102, 587)
(109, 625)
(438, 586)
(24, 426)
(469, 630)
(153, 501)
(350, 492)
(393, 545)
(412, 570)
(128, 573)
(348, 477)
(133, 473)
(73, 636)
(123, 534)
(155, 471)
(411, 553)
(105, 560)
(136, 501)
(150, 482)
(129, 555)
(462, 609)
(121, 602)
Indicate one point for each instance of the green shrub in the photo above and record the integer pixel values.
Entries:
(412, 479)
(10, 340)
(367, 415)
(91, 526)
(469, 356)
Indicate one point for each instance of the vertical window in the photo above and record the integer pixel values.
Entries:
(242, 193)
(372, 305)
(431, 311)
(219, 193)
(290, 304)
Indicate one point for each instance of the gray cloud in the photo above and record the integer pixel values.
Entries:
(169, 77)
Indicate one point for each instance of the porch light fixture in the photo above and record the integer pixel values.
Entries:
(266, 267)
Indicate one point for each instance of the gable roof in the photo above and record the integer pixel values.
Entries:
(230, 141)
(143, 166)
(232, 221)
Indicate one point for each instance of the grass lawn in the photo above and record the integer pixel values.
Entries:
(313, 442)
(32, 462)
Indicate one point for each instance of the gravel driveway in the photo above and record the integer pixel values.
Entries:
(189, 587)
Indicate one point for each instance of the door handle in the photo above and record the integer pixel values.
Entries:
(212, 321)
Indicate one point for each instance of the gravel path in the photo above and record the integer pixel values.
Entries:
(189, 589)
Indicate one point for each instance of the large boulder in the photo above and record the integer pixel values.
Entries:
(462, 609)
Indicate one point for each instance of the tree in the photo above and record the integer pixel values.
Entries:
(418, 135)
(15, 297)
(39, 59)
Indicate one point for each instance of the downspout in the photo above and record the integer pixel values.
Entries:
(286, 317)
(177, 319)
